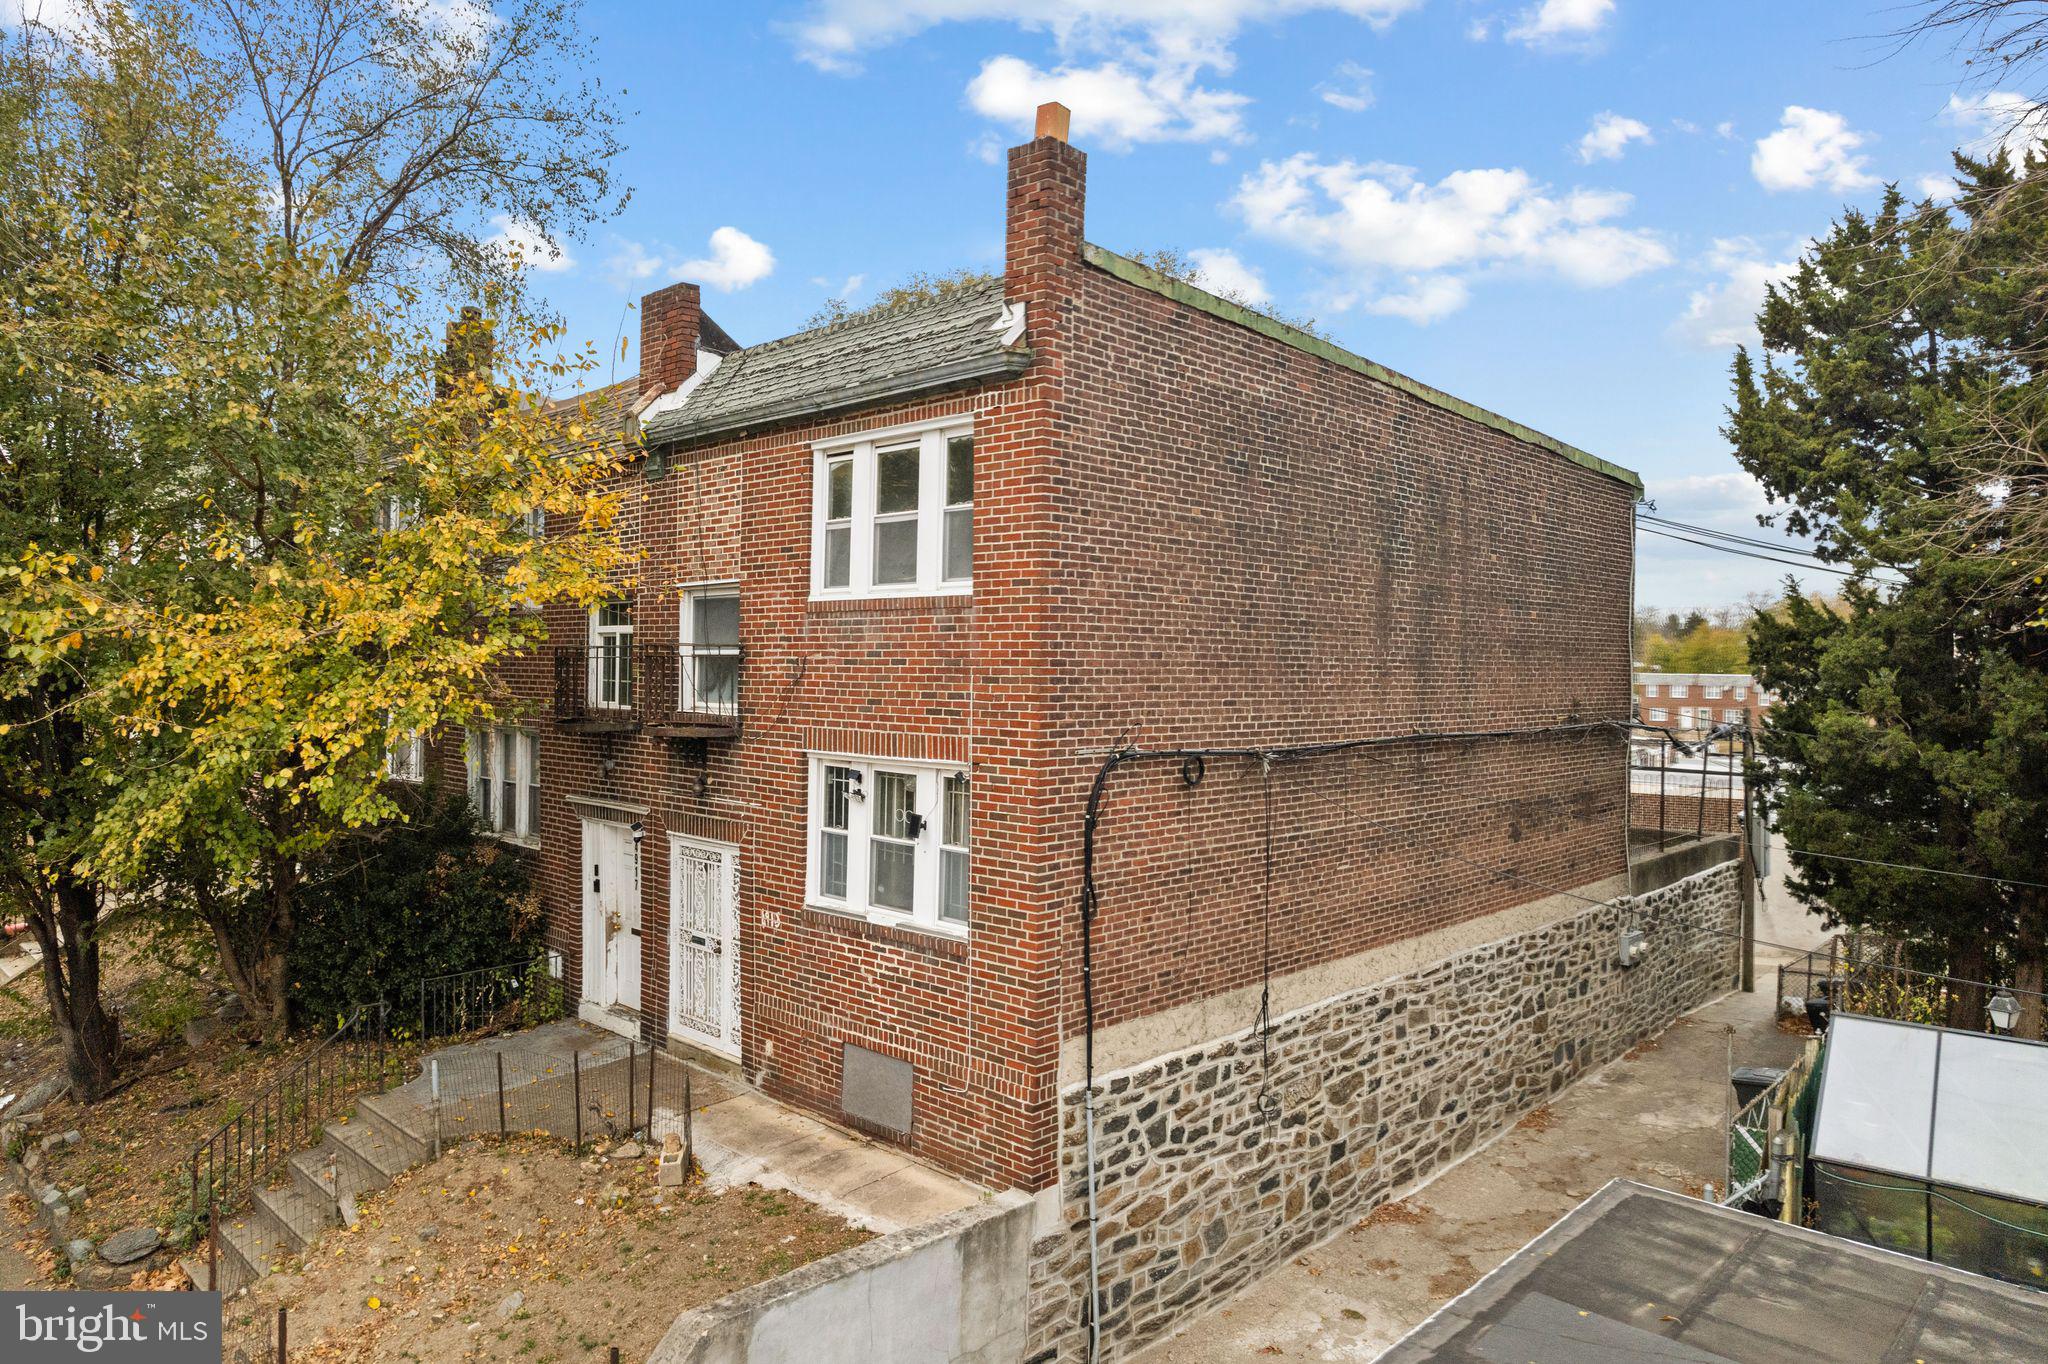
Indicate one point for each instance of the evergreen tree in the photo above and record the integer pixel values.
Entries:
(1909, 725)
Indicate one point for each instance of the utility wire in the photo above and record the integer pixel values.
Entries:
(1924, 871)
(1752, 554)
(1773, 546)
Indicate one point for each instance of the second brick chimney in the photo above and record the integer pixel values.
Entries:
(1047, 196)
(671, 322)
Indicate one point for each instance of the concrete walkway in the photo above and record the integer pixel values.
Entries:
(1654, 1116)
(742, 1136)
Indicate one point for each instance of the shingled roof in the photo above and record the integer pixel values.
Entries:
(909, 349)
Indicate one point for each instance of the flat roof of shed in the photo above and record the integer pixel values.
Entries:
(1636, 1273)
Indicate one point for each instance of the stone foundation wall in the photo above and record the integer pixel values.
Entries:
(1220, 1162)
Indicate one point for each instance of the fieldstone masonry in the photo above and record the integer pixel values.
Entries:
(1219, 1162)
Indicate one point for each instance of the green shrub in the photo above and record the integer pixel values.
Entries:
(404, 901)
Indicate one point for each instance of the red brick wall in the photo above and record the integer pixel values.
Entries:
(1265, 548)
(1184, 532)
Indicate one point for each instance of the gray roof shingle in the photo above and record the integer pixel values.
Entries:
(910, 349)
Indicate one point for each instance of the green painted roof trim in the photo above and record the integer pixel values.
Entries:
(1128, 270)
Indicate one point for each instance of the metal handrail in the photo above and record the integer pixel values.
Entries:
(226, 1167)
(462, 1001)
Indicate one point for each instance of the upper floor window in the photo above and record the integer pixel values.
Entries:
(396, 513)
(710, 639)
(1678, 691)
(891, 840)
(1711, 693)
(611, 655)
(893, 515)
(1650, 689)
(1742, 693)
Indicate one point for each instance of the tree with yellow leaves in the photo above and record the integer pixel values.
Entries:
(256, 522)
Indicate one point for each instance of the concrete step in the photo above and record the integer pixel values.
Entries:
(248, 1248)
(402, 1122)
(196, 1270)
(295, 1218)
(318, 1171)
(367, 1152)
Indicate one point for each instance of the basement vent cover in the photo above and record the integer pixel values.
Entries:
(876, 1089)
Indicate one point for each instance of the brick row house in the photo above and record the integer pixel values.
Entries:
(809, 795)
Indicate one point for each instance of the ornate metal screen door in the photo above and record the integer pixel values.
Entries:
(702, 887)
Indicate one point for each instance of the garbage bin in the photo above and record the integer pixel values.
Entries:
(1750, 1081)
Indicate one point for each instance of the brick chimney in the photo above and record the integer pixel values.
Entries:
(670, 320)
(466, 349)
(1048, 190)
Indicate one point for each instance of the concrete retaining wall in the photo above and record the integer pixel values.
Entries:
(949, 1292)
(1219, 1162)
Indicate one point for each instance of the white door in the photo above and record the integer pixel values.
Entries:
(611, 920)
(703, 887)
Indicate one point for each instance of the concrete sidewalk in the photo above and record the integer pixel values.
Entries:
(1654, 1116)
(742, 1136)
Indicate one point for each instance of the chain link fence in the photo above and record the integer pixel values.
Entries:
(613, 1091)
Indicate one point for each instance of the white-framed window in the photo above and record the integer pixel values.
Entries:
(709, 637)
(891, 840)
(1678, 691)
(1731, 716)
(1659, 716)
(534, 522)
(395, 513)
(1650, 689)
(406, 760)
(611, 655)
(1711, 693)
(1742, 693)
(893, 513)
(504, 781)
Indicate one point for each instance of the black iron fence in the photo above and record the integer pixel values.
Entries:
(693, 690)
(250, 1148)
(519, 994)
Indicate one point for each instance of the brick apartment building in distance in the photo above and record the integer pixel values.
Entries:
(809, 796)
(1700, 701)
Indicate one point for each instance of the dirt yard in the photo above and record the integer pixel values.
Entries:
(522, 1251)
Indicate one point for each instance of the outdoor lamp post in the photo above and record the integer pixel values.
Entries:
(2004, 1011)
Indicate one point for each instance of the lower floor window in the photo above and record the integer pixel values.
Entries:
(406, 760)
(891, 838)
(504, 781)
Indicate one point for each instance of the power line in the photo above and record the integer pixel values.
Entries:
(1924, 871)
(1774, 546)
(1752, 554)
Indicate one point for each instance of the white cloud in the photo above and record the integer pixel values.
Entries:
(1999, 123)
(1712, 499)
(1811, 147)
(525, 244)
(1609, 137)
(61, 17)
(1725, 128)
(833, 34)
(1560, 23)
(1349, 88)
(1938, 186)
(1131, 70)
(1221, 272)
(1378, 221)
(736, 261)
(1723, 313)
(1113, 102)
(1427, 298)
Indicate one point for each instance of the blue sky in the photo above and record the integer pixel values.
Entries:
(1560, 209)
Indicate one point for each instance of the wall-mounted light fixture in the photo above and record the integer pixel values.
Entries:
(639, 833)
